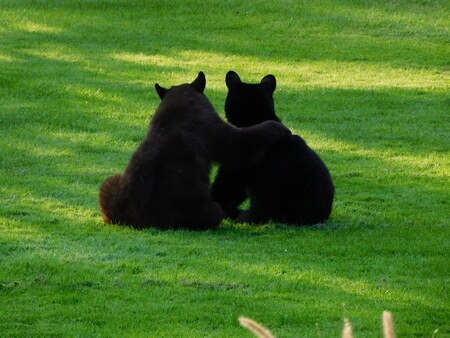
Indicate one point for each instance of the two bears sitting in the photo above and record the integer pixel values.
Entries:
(166, 183)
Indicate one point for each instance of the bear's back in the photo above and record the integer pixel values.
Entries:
(292, 182)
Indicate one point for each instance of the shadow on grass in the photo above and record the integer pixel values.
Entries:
(404, 37)
(89, 93)
(362, 132)
(73, 109)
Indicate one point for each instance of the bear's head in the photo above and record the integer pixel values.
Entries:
(249, 104)
(198, 84)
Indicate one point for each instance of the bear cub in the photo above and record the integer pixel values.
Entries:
(292, 185)
(166, 183)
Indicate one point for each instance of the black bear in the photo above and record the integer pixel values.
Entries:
(292, 185)
(166, 183)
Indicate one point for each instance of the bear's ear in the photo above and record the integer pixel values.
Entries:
(269, 83)
(161, 91)
(232, 80)
(200, 82)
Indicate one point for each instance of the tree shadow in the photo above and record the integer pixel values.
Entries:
(368, 138)
(74, 108)
(338, 32)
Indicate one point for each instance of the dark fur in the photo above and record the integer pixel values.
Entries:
(291, 186)
(166, 183)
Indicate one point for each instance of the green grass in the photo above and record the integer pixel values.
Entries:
(365, 83)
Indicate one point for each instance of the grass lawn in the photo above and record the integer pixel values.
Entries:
(366, 83)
